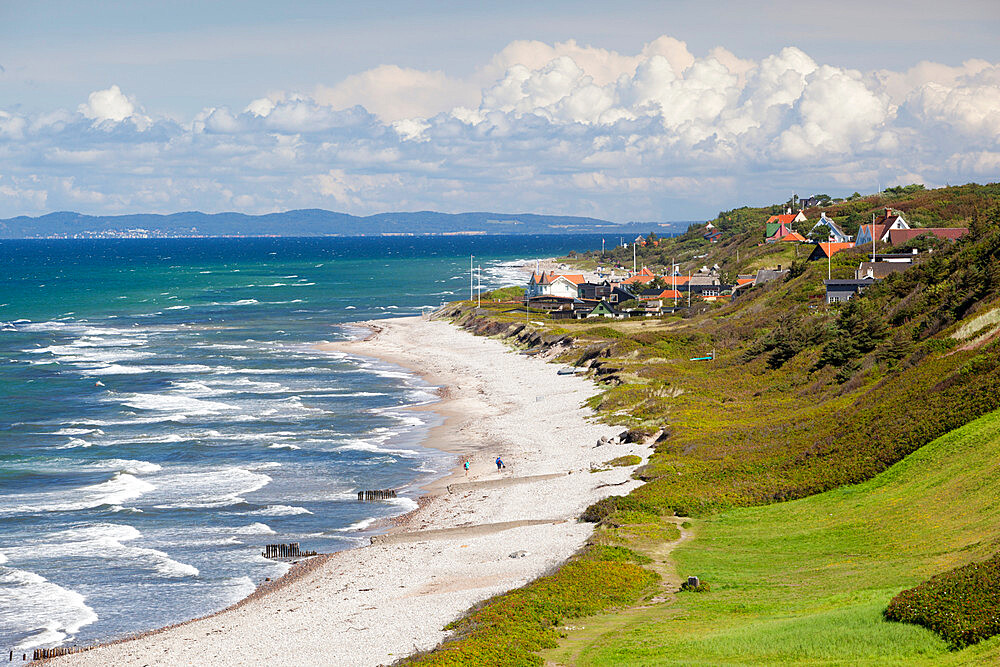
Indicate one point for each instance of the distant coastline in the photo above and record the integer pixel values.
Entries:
(314, 223)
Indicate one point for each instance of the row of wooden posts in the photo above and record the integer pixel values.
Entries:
(43, 653)
(285, 551)
(379, 494)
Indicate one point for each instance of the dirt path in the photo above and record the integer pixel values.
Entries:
(583, 633)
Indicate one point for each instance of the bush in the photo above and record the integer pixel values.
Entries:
(962, 605)
(702, 587)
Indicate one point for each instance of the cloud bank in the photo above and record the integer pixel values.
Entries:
(559, 128)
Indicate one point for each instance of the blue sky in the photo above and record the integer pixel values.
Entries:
(627, 111)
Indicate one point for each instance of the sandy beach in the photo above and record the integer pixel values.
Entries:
(376, 604)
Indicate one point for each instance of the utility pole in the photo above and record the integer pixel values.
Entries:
(471, 257)
(634, 266)
(873, 237)
(479, 288)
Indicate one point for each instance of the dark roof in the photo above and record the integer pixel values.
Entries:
(880, 270)
(848, 283)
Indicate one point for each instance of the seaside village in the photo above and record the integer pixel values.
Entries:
(620, 291)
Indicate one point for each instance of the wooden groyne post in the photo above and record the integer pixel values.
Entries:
(378, 494)
(45, 653)
(285, 551)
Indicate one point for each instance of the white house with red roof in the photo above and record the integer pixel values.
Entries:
(888, 221)
(553, 284)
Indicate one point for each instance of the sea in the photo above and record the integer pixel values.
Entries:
(165, 413)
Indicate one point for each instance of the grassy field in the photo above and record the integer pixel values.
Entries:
(806, 581)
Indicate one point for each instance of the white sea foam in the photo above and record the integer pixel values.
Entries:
(106, 541)
(280, 510)
(283, 446)
(74, 443)
(130, 466)
(254, 529)
(368, 446)
(77, 431)
(32, 601)
(358, 525)
(172, 403)
(177, 307)
(204, 489)
(116, 491)
(406, 504)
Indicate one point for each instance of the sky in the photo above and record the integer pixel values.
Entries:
(627, 111)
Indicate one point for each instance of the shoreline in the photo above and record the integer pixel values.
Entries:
(451, 552)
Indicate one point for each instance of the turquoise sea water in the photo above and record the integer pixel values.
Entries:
(164, 414)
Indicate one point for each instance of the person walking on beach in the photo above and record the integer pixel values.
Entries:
(499, 464)
(466, 468)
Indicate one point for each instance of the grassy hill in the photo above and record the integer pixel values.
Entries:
(806, 581)
(787, 454)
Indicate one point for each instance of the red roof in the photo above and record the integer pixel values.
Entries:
(744, 281)
(784, 218)
(831, 249)
(792, 237)
(897, 236)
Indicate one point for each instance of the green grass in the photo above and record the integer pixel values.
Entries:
(807, 581)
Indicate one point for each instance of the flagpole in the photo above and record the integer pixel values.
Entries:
(471, 257)
(479, 286)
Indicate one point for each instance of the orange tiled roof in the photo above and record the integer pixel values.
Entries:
(831, 249)
(785, 218)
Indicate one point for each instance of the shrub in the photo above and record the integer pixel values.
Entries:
(702, 587)
(962, 605)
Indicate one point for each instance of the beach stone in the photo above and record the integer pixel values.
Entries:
(519, 554)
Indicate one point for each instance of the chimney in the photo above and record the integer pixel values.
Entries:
(779, 267)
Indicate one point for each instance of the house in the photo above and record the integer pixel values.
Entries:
(833, 229)
(553, 302)
(883, 225)
(644, 276)
(544, 284)
(653, 294)
(781, 223)
(843, 290)
(901, 236)
(826, 250)
(879, 270)
(613, 293)
(604, 309)
(713, 236)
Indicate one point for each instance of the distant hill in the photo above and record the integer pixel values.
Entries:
(314, 222)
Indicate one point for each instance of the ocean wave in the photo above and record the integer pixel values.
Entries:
(368, 446)
(357, 525)
(206, 489)
(130, 466)
(120, 488)
(75, 443)
(31, 601)
(170, 403)
(254, 529)
(77, 431)
(177, 307)
(283, 446)
(107, 541)
(280, 510)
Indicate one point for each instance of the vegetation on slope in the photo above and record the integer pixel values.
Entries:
(801, 398)
(807, 581)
